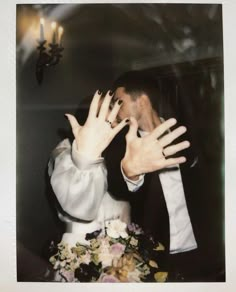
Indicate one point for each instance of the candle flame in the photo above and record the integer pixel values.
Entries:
(53, 25)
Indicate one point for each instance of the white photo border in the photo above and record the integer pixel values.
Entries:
(8, 280)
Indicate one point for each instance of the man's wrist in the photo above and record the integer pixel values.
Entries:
(127, 169)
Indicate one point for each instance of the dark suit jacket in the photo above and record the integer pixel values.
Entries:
(148, 207)
(148, 202)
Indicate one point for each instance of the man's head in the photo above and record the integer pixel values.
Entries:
(139, 94)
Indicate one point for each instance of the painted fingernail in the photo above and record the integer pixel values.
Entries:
(111, 92)
(99, 92)
(120, 101)
(127, 120)
(65, 116)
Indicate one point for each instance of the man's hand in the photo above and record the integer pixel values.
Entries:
(148, 154)
(97, 133)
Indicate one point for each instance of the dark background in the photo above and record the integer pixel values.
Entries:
(182, 45)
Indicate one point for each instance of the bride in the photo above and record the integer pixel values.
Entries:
(78, 174)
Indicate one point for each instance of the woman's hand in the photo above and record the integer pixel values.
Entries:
(97, 133)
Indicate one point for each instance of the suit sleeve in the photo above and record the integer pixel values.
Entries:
(78, 183)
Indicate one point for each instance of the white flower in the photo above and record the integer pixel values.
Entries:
(116, 228)
(63, 263)
(85, 258)
(104, 245)
(105, 256)
(106, 259)
(133, 241)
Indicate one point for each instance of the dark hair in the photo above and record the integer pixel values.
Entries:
(137, 83)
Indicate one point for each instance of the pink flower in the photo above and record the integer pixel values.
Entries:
(117, 249)
(104, 278)
(68, 275)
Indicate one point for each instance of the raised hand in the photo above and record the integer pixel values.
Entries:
(148, 153)
(96, 134)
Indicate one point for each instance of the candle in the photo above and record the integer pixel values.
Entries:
(41, 30)
(60, 33)
(54, 26)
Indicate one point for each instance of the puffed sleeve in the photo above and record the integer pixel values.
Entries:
(78, 183)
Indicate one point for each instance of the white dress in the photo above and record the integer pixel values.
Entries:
(80, 186)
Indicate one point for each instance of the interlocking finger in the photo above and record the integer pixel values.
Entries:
(105, 106)
(171, 150)
(160, 130)
(93, 109)
(120, 126)
(133, 129)
(112, 115)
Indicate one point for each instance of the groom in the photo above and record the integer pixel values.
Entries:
(162, 201)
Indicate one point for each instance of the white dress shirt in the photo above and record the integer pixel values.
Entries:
(181, 233)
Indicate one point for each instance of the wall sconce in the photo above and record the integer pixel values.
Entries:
(52, 57)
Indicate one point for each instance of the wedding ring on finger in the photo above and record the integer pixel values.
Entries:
(109, 122)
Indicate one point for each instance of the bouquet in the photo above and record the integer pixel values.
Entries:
(121, 254)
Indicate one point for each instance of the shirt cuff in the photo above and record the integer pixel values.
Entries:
(81, 161)
(133, 185)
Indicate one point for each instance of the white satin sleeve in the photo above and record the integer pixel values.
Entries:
(78, 183)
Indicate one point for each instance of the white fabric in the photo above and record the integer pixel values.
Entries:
(133, 185)
(181, 232)
(80, 186)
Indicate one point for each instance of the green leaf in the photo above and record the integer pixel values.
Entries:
(160, 246)
(160, 276)
(153, 264)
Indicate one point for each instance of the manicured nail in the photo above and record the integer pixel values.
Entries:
(99, 92)
(120, 102)
(127, 120)
(111, 92)
(65, 116)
